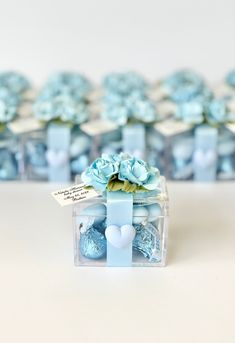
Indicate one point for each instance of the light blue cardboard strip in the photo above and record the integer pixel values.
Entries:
(119, 212)
(58, 142)
(205, 154)
(133, 140)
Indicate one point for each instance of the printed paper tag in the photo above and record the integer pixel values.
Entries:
(98, 127)
(170, 127)
(23, 125)
(230, 127)
(72, 195)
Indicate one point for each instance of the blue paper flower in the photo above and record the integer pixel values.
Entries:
(135, 106)
(67, 83)
(124, 83)
(9, 103)
(14, 82)
(185, 85)
(123, 171)
(100, 172)
(191, 112)
(144, 111)
(230, 78)
(61, 107)
(216, 112)
(138, 172)
(64, 98)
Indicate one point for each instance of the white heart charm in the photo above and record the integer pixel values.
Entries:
(204, 159)
(57, 158)
(120, 237)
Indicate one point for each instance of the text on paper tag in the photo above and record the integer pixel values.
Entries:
(72, 195)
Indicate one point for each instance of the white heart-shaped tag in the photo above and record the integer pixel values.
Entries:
(120, 237)
(56, 158)
(204, 159)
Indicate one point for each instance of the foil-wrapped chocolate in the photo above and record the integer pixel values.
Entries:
(147, 241)
(93, 244)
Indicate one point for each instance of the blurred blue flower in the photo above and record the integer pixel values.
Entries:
(230, 78)
(185, 85)
(135, 106)
(9, 103)
(216, 112)
(67, 83)
(61, 107)
(64, 97)
(124, 83)
(14, 82)
(191, 112)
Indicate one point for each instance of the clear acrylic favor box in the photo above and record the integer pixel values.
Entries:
(102, 238)
(170, 149)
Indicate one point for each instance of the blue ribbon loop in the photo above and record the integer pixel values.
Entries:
(134, 140)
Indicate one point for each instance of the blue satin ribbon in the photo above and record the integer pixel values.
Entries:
(206, 139)
(133, 140)
(119, 212)
(58, 139)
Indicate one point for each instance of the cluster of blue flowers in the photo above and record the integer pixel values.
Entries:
(12, 87)
(189, 92)
(120, 168)
(195, 102)
(126, 99)
(64, 97)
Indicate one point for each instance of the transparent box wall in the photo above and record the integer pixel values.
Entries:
(226, 155)
(149, 246)
(172, 155)
(11, 156)
(35, 147)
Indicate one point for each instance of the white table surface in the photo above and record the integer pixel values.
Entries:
(44, 298)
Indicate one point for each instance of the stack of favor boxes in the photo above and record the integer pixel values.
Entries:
(180, 124)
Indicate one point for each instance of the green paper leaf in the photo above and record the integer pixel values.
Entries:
(115, 185)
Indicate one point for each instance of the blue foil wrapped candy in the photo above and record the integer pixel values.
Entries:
(147, 242)
(93, 244)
